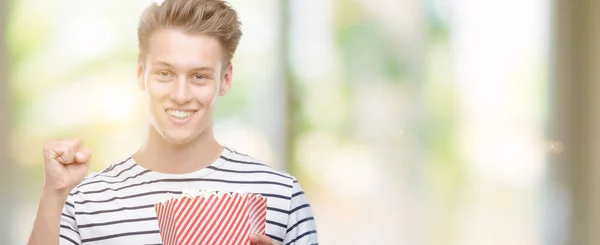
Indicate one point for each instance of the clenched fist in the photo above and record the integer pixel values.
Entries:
(65, 164)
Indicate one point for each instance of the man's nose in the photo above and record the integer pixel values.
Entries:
(181, 92)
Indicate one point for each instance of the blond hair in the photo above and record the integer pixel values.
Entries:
(213, 18)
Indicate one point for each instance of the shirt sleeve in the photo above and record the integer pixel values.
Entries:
(69, 233)
(301, 226)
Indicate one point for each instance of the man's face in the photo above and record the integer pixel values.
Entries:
(183, 76)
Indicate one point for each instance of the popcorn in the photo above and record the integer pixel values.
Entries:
(211, 217)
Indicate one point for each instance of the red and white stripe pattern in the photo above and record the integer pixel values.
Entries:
(223, 219)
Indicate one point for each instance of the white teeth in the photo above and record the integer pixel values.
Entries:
(180, 114)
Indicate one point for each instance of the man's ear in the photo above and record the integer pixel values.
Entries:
(140, 73)
(226, 81)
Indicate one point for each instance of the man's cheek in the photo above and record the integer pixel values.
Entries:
(155, 89)
(214, 96)
(207, 95)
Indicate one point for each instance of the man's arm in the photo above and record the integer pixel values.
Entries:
(65, 164)
(52, 218)
(301, 227)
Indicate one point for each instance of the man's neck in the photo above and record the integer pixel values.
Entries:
(158, 155)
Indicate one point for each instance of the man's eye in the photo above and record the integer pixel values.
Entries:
(199, 77)
(164, 74)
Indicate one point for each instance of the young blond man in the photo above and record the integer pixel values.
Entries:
(184, 65)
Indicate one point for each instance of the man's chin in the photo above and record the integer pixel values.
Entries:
(179, 136)
(179, 140)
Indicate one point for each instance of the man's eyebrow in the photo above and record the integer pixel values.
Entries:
(161, 63)
(202, 68)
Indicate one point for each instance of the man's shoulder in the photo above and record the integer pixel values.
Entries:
(239, 162)
(107, 175)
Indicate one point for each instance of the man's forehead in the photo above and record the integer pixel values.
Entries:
(172, 46)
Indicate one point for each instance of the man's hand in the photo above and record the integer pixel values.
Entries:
(65, 164)
(261, 240)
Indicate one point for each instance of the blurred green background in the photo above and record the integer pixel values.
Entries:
(407, 121)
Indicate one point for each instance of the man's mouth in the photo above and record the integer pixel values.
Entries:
(180, 114)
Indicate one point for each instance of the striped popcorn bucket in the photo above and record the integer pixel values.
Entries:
(216, 218)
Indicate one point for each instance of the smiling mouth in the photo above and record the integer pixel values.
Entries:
(180, 114)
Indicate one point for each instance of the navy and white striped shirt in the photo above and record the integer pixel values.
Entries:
(116, 205)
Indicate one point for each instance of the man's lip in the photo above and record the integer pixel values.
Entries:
(185, 110)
